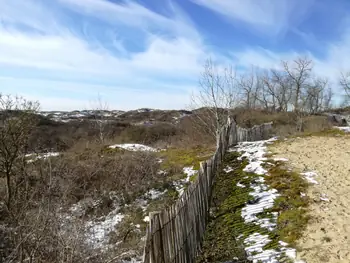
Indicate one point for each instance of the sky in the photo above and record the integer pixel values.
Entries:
(150, 53)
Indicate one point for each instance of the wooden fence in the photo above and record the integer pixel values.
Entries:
(175, 234)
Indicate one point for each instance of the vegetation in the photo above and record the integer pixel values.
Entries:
(227, 229)
(38, 197)
(182, 157)
(223, 240)
(290, 205)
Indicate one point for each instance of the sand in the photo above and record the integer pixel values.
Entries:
(327, 236)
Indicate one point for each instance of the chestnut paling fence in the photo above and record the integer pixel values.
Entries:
(175, 234)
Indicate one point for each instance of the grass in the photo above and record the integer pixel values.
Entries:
(329, 132)
(326, 132)
(221, 242)
(184, 157)
(291, 207)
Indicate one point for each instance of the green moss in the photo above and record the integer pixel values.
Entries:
(292, 208)
(179, 158)
(193, 178)
(221, 242)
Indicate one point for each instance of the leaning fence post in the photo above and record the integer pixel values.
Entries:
(157, 249)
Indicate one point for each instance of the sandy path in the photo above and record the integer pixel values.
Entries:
(327, 237)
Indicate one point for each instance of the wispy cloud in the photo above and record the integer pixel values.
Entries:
(69, 50)
(333, 62)
(38, 37)
(268, 17)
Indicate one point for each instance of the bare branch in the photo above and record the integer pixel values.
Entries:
(216, 96)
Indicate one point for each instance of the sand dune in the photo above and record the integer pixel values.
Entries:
(327, 237)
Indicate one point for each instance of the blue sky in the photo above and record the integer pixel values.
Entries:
(149, 53)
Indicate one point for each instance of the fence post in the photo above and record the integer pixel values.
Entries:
(176, 239)
(157, 249)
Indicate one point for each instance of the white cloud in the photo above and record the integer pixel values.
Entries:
(69, 49)
(334, 61)
(269, 17)
(135, 15)
(63, 50)
(68, 52)
(37, 38)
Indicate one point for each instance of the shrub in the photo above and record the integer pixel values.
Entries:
(149, 134)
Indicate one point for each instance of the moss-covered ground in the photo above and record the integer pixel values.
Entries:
(227, 230)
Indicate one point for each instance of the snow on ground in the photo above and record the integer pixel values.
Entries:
(280, 159)
(134, 147)
(180, 184)
(263, 199)
(310, 177)
(254, 152)
(240, 185)
(189, 171)
(36, 156)
(155, 194)
(98, 230)
(254, 247)
(179, 187)
(344, 129)
(228, 169)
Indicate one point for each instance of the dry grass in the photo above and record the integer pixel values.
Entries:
(284, 123)
(88, 170)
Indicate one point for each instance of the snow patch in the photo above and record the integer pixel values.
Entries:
(155, 194)
(344, 129)
(134, 147)
(228, 169)
(180, 184)
(280, 159)
(240, 185)
(162, 172)
(189, 171)
(262, 198)
(36, 156)
(310, 177)
(254, 248)
(99, 230)
(324, 198)
(254, 152)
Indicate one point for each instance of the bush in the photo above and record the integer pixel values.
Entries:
(149, 134)
(49, 187)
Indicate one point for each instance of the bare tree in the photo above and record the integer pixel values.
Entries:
(328, 98)
(100, 122)
(217, 95)
(299, 73)
(345, 83)
(312, 100)
(283, 91)
(250, 85)
(16, 124)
